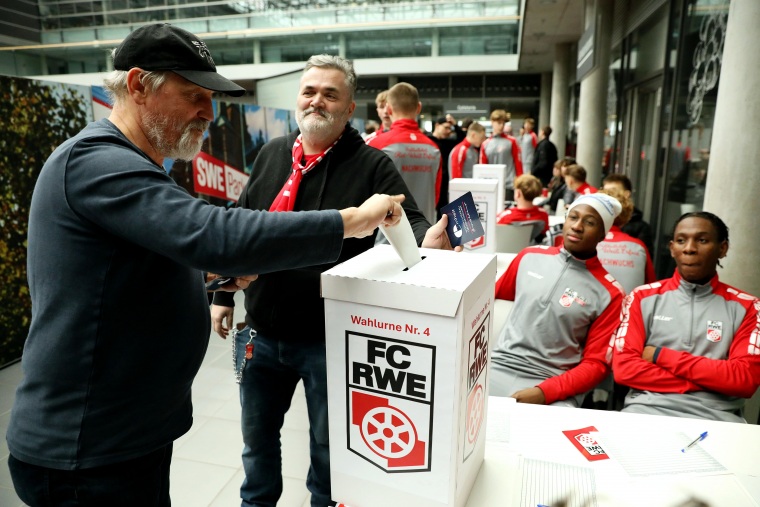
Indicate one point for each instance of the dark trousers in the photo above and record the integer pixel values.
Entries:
(266, 390)
(143, 482)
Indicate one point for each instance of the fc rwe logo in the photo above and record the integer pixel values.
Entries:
(390, 385)
(477, 362)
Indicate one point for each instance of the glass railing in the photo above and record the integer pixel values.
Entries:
(69, 22)
(368, 29)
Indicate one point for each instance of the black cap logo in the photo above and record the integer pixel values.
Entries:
(203, 51)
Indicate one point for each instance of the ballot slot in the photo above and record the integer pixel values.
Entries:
(422, 258)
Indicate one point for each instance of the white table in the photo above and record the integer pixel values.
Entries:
(536, 432)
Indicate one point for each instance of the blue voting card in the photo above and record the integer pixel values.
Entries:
(464, 223)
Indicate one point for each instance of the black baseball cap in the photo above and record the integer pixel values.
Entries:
(165, 47)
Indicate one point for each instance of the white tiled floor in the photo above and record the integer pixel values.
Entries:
(206, 467)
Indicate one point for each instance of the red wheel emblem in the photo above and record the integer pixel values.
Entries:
(475, 416)
(388, 432)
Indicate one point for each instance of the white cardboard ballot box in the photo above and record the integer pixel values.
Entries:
(484, 193)
(497, 172)
(407, 376)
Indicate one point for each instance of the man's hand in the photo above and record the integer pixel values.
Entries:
(238, 283)
(379, 209)
(530, 395)
(218, 315)
(436, 236)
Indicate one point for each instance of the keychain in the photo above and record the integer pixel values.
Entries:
(248, 355)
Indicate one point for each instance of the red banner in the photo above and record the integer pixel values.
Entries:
(213, 177)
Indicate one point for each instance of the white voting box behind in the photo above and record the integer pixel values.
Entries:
(484, 193)
(407, 376)
(497, 172)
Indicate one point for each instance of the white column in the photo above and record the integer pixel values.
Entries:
(733, 180)
(592, 106)
(560, 95)
(435, 47)
(545, 103)
(256, 51)
(342, 45)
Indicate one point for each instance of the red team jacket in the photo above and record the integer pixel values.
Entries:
(565, 312)
(535, 213)
(462, 159)
(418, 159)
(626, 258)
(503, 149)
(709, 336)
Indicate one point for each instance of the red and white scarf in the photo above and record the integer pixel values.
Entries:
(286, 199)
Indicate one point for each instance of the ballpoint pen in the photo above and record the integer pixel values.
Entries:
(694, 442)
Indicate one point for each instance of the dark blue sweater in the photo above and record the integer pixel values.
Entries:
(120, 319)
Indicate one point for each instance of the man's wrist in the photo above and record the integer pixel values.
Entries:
(656, 354)
(349, 221)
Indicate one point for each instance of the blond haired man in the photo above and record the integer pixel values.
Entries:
(502, 148)
(417, 158)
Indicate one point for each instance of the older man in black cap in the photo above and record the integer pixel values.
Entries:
(120, 320)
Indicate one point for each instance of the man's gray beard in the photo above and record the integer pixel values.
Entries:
(319, 127)
(186, 148)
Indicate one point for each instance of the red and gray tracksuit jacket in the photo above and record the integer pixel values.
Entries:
(503, 149)
(626, 258)
(528, 143)
(708, 360)
(418, 159)
(565, 313)
(462, 159)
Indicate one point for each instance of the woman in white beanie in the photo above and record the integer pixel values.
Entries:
(554, 348)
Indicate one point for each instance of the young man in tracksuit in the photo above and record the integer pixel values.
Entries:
(528, 143)
(465, 155)
(527, 188)
(554, 347)
(575, 179)
(502, 148)
(689, 345)
(416, 157)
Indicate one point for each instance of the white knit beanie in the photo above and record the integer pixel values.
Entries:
(607, 206)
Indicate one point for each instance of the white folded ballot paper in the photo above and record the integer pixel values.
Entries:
(401, 237)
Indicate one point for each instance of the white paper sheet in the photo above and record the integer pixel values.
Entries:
(497, 423)
(401, 237)
(658, 453)
(544, 483)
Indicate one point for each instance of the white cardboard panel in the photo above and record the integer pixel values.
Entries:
(497, 172)
(407, 390)
(484, 193)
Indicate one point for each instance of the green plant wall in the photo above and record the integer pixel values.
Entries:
(35, 117)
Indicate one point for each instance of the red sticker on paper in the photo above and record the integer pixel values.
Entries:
(585, 442)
